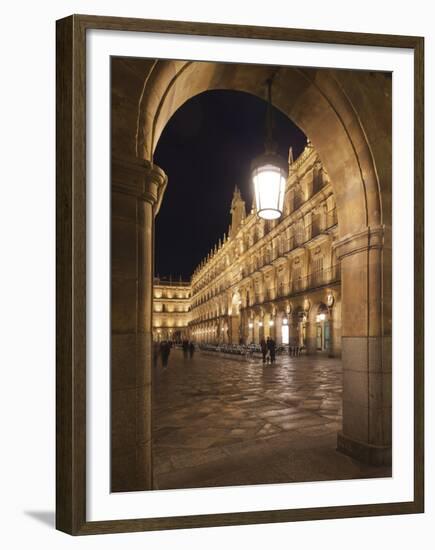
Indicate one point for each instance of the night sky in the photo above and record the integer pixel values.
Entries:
(206, 149)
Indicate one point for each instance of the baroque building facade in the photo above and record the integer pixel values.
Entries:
(171, 310)
(275, 278)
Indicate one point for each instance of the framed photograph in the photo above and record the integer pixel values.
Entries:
(239, 275)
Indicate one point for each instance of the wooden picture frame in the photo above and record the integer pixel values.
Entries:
(71, 274)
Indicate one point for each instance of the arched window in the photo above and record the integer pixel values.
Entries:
(317, 178)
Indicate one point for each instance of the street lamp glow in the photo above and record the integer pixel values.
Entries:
(269, 173)
(320, 317)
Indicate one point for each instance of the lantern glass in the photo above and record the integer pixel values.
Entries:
(269, 186)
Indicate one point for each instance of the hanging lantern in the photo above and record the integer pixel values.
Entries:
(269, 173)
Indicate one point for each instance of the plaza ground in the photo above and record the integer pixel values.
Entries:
(222, 420)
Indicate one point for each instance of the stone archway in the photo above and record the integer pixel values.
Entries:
(319, 339)
(347, 116)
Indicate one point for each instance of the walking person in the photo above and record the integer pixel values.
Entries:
(165, 350)
(191, 349)
(156, 353)
(268, 349)
(185, 348)
(272, 349)
(263, 347)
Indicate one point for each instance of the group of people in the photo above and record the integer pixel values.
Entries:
(162, 350)
(294, 350)
(188, 349)
(268, 350)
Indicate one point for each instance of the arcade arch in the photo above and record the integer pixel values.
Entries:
(347, 116)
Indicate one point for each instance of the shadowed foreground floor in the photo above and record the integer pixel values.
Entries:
(221, 420)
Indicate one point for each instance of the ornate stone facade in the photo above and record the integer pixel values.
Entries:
(279, 278)
(171, 310)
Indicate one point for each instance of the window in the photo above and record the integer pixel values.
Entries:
(315, 225)
(299, 233)
(317, 270)
(317, 179)
(297, 279)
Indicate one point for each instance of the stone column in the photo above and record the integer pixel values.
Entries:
(366, 345)
(293, 331)
(261, 333)
(245, 326)
(311, 332)
(335, 328)
(137, 191)
(278, 325)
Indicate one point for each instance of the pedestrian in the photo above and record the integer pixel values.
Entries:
(191, 349)
(156, 353)
(268, 349)
(263, 347)
(271, 345)
(165, 350)
(185, 348)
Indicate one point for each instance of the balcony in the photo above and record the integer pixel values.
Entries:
(311, 282)
(316, 279)
(283, 290)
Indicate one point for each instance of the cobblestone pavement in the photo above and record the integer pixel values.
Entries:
(221, 420)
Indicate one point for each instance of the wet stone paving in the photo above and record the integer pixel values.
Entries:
(222, 420)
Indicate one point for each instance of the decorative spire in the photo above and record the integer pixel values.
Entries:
(236, 193)
(290, 156)
(253, 205)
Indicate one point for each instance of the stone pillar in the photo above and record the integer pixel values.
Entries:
(137, 190)
(272, 328)
(366, 345)
(261, 333)
(234, 328)
(278, 325)
(311, 329)
(335, 327)
(245, 327)
(292, 329)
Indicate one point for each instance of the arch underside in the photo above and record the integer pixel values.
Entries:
(314, 99)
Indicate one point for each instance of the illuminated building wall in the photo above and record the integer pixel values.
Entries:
(275, 278)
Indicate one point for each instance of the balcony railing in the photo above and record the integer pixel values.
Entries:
(293, 242)
(313, 280)
(302, 237)
(169, 282)
(166, 309)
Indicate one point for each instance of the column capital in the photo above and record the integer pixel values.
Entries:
(140, 178)
(368, 239)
